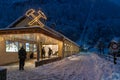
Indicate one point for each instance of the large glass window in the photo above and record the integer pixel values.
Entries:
(11, 46)
(21, 44)
(27, 47)
(35, 47)
(31, 47)
(54, 49)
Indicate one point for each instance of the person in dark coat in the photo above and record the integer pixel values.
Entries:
(31, 55)
(22, 56)
(101, 47)
(50, 52)
(43, 53)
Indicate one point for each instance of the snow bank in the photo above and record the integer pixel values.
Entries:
(79, 67)
(83, 66)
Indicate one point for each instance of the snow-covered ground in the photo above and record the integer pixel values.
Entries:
(77, 67)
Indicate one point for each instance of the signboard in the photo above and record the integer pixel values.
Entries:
(35, 16)
(114, 47)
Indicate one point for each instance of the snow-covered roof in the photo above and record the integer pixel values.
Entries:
(45, 28)
(116, 39)
(16, 22)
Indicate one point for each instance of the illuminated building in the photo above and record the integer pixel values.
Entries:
(30, 32)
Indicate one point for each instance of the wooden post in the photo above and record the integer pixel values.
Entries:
(38, 51)
(63, 49)
(40, 47)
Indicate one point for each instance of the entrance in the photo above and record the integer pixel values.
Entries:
(54, 49)
(13, 42)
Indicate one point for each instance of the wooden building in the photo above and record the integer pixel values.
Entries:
(30, 32)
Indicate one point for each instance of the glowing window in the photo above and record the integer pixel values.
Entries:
(11, 46)
(27, 47)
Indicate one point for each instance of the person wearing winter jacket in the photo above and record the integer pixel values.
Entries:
(22, 56)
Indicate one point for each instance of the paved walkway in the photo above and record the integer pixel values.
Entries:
(29, 64)
(13, 72)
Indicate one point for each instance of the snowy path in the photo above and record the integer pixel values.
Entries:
(76, 67)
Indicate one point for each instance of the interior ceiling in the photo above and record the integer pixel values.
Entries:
(33, 37)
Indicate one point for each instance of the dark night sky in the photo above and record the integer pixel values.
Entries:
(69, 16)
(116, 2)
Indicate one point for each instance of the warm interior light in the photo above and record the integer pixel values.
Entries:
(1, 38)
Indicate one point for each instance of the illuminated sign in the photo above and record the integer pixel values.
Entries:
(35, 16)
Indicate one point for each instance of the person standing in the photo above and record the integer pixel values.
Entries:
(50, 52)
(101, 47)
(43, 53)
(22, 56)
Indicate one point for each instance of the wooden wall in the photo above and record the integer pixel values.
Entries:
(8, 57)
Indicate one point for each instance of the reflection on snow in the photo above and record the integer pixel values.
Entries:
(74, 58)
(113, 76)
